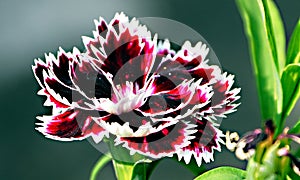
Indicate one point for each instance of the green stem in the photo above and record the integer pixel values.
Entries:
(123, 170)
(123, 162)
(99, 165)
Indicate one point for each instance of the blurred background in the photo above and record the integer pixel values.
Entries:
(28, 29)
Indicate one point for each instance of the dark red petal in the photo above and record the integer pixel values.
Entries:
(58, 88)
(189, 64)
(182, 101)
(135, 70)
(56, 78)
(91, 128)
(101, 27)
(163, 83)
(183, 66)
(61, 69)
(224, 97)
(172, 70)
(70, 125)
(120, 51)
(90, 81)
(206, 74)
(163, 143)
(200, 96)
(207, 139)
(220, 93)
(51, 101)
(134, 118)
(68, 94)
(164, 48)
(38, 70)
(192, 56)
(127, 60)
(164, 102)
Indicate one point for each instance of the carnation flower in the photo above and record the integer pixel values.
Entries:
(133, 88)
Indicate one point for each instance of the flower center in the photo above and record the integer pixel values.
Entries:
(127, 97)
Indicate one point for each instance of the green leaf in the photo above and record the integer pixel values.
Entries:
(290, 81)
(276, 33)
(293, 52)
(295, 129)
(143, 170)
(263, 61)
(224, 173)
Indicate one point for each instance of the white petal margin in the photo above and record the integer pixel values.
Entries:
(234, 94)
(133, 26)
(126, 131)
(187, 131)
(199, 50)
(163, 46)
(46, 120)
(205, 155)
(43, 129)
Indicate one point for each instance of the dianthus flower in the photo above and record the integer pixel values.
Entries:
(133, 88)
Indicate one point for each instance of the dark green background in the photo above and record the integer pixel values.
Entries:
(28, 29)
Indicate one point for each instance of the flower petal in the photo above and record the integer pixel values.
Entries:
(155, 101)
(178, 103)
(159, 144)
(124, 41)
(88, 80)
(164, 48)
(71, 125)
(207, 139)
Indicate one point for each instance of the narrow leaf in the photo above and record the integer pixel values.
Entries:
(296, 128)
(267, 78)
(224, 173)
(276, 33)
(293, 52)
(290, 81)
